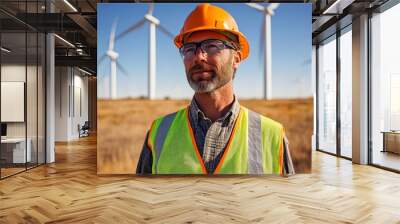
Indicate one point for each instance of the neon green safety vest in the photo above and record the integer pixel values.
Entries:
(254, 147)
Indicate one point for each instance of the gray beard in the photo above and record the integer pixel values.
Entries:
(210, 86)
(203, 87)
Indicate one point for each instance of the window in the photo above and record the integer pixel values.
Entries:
(346, 92)
(385, 88)
(327, 95)
(22, 75)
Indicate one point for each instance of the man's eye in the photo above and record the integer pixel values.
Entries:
(211, 46)
(188, 50)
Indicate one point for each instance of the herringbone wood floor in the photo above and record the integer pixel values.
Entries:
(69, 191)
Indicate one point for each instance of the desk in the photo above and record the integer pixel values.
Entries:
(391, 141)
(15, 148)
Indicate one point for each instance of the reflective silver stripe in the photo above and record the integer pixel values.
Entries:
(161, 134)
(255, 147)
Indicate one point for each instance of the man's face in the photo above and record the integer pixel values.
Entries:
(206, 73)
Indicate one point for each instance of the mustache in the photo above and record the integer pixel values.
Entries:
(199, 68)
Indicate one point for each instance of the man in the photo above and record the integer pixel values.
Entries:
(214, 134)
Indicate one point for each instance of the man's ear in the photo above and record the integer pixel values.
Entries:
(236, 59)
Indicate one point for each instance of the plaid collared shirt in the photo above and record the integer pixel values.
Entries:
(211, 139)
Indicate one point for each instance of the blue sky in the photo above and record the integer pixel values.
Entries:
(291, 50)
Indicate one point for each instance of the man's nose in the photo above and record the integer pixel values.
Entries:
(200, 55)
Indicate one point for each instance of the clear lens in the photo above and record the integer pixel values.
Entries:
(210, 47)
(188, 49)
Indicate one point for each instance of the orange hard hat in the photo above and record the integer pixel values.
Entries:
(212, 18)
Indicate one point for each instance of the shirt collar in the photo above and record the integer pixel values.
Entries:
(196, 113)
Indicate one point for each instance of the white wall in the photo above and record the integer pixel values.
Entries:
(13, 72)
(80, 102)
(33, 126)
(61, 103)
(16, 73)
(71, 93)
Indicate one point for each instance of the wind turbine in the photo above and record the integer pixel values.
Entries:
(113, 55)
(153, 24)
(265, 42)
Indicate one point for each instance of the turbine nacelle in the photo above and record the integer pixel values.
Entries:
(267, 10)
(112, 54)
(152, 19)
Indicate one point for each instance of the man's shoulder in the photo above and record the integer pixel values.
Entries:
(170, 115)
(267, 120)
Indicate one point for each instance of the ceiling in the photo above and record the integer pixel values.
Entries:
(76, 22)
(329, 16)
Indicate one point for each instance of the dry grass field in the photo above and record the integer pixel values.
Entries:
(122, 126)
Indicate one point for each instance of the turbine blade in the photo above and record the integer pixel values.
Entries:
(101, 59)
(151, 9)
(256, 6)
(101, 77)
(166, 32)
(273, 6)
(112, 35)
(122, 69)
(131, 29)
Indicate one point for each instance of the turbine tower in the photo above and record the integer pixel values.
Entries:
(266, 44)
(153, 24)
(113, 56)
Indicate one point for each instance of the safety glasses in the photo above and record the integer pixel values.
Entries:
(209, 46)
